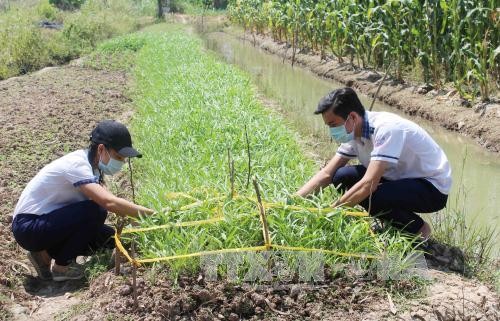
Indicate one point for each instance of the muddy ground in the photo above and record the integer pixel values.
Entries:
(444, 106)
(51, 112)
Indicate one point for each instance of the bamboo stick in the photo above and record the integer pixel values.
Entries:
(265, 227)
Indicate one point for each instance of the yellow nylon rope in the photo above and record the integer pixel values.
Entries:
(174, 195)
(120, 247)
(243, 249)
(306, 249)
(219, 217)
(165, 226)
(183, 256)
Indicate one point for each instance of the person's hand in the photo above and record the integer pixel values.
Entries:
(292, 199)
(337, 203)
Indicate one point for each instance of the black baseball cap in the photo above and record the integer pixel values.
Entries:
(114, 135)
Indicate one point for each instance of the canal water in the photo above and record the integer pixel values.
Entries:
(476, 172)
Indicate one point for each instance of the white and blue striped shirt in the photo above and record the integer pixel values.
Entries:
(409, 149)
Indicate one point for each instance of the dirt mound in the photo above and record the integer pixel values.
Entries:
(448, 298)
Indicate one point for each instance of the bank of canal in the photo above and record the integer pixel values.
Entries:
(476, 172)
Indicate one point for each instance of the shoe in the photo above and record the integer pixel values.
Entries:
(41, 268)
(74, 272)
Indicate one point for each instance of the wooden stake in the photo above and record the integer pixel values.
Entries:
(117, 261)
(131, 180)
(265, 227)
(232, 178)
(119, 228)
(134, 275)
(230, 163)
(380, 86)
(122, 222)
(370, 199)
(249, 159)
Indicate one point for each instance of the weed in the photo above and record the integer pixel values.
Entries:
(47, 11)
(98, 264)
(28, 47)
(478, 243)
(72, 312)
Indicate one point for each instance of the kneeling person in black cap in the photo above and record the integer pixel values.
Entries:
(61, 212)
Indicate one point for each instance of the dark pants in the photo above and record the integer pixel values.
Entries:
(70, 231)
(395, 201)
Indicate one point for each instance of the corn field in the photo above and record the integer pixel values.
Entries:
(454, 41)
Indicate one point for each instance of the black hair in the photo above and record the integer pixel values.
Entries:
(342, 102)
(91, 157)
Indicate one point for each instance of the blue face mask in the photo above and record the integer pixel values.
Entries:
(112, 167)
(340, 134)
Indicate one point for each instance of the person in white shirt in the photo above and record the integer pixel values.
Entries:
(402, 170)
(61, 212)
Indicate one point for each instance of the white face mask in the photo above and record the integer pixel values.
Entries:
(340, 134)
(112, 167)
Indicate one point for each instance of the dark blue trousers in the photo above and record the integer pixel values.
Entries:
(395, 201)
(70, 231)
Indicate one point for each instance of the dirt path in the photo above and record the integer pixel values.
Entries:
(43, 116)
(445, 107)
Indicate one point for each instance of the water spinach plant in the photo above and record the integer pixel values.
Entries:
(192, 111)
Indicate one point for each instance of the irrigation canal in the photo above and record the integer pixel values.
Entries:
(476, 172)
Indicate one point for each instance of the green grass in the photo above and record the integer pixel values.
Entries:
(98, 264)
(26, 47)
(192, 109)
(195, 7)
(116, 54)
(452, 227)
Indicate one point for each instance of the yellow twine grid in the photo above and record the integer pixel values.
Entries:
(219, 217)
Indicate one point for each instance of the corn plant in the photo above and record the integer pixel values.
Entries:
(450, 41)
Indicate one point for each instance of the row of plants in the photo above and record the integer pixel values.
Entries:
(443, 41)
(193, 112)
(197, 6)
(26, 46)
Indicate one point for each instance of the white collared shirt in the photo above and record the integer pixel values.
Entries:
(409, 149)
(56, 185)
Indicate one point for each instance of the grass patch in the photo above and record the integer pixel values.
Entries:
(451, 227)
(98, 264)
(196, 7)
(29, 47)
(116, 54)
(478, 243)
(73, 311)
